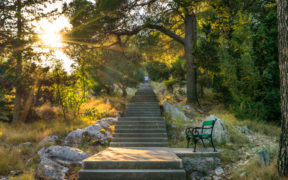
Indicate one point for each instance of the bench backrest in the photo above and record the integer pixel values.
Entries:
(208, 125)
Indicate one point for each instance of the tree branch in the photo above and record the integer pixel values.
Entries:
(167, 32)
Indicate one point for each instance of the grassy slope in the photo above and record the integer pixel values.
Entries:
(24, 159)
(239, 152)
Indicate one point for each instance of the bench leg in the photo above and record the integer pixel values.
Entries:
(188, 142)
(211, 140)
(195, 144)
(203, 143)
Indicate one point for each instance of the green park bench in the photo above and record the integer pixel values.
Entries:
(198, 133)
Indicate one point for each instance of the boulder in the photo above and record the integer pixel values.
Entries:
(94, 132)
(63, 154)
(174, 111)
(263, 158)
(48, 169)
(219, 171)
(26, 144)
(48, 140)
(220, 133)
(131, 91)
(244, 129)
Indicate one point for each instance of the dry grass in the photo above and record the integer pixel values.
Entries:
(12, 158)
(253, 170)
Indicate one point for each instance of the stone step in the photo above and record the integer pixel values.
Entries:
(143, 103)
(132, 174)
(136, 164)
(140, 130)
(138, 144)
(143, 110)
(139, 126)
(129, 113)
(140, 135)
(138, 139)
(142, 115)
(141, 119)
(144, 100)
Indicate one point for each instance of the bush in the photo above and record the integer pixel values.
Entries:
(158, 71)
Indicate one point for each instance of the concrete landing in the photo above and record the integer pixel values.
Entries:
(133, 163)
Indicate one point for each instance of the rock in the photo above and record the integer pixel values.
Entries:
(175, 112)
(206, 178)
(26, 144)
(216, 178)
(77, 137)
(15, 172)
(244, 129)
(244, 174)
(48, 140)
(195, 175)
(219, 171)
(263, 158)
(130, 91)
(4, 178)
(160, 90)
(49, 169)
(220, 133)
(200, 163)
(63, 154)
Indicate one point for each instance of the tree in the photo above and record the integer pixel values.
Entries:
(282, 8)
(17, 37)
(176, 19)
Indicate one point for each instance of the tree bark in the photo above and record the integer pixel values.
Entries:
(282, 12)
(19, 91)
(190, 44)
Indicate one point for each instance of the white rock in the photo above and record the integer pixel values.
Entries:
(219, 171)
(74, 138)
(175, 112)
(220, 133)
(49, 140)
(216, 178)
(4, 178)
(63, 154)
(26, 144)
(49, 169)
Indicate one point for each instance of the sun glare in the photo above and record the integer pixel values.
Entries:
(51, 39)
(49, 31)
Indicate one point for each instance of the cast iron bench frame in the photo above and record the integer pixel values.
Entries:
(193, 133)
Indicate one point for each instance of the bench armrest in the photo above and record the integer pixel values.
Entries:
(192, 130)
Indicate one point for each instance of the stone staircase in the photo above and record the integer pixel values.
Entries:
(138, 147)
(142, 125)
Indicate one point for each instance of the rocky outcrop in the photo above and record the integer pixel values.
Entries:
(97, 133)
(200, 168)
(63, 154)
(48, 169)
(174, 111)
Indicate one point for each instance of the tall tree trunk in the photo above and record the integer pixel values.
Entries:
(282, 8)
(189, 45)
(19, 91)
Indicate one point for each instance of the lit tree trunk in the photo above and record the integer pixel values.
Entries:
(190, 43)
(19, 92)
(282, 8)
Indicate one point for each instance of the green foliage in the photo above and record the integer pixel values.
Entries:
(248, 78)
(72, 91)
(158, 71)
(178, 69)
